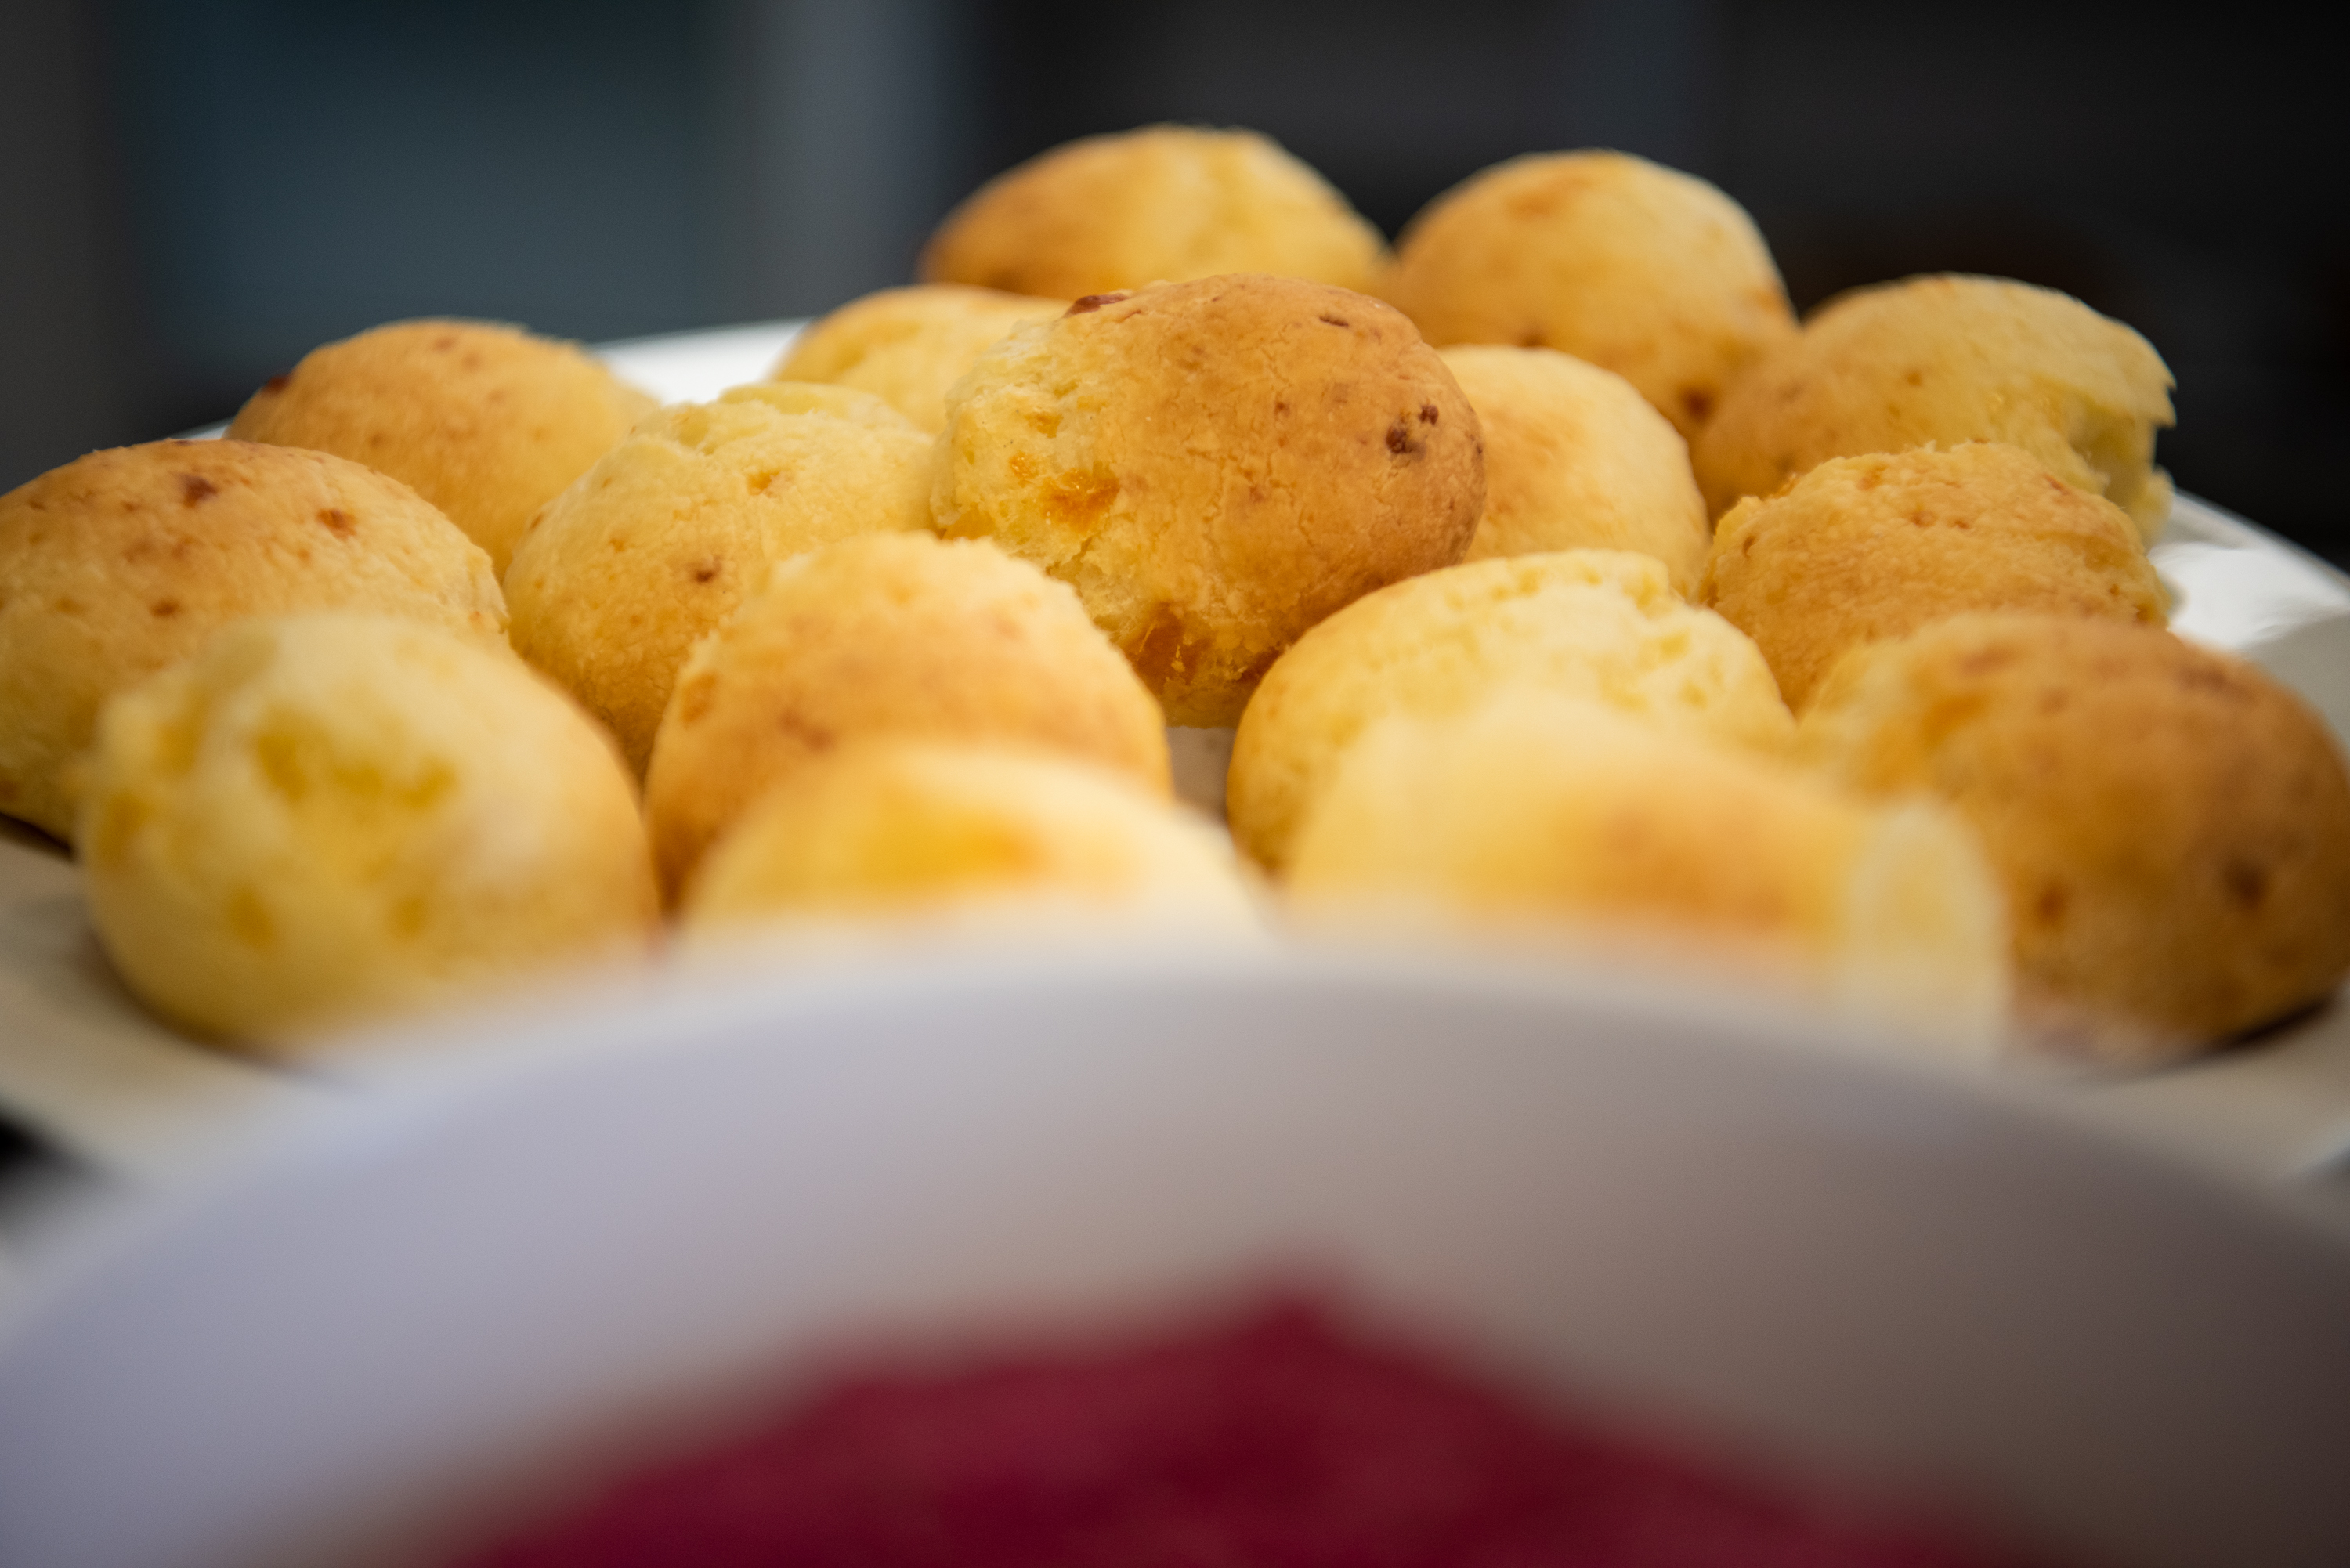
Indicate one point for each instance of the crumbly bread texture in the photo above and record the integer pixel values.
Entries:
(322, 820)
(891, 826)
(2171, 826)
(657, 544)
(1597, 624)
(1536, 810)
(908, 346)
(1576, 459)
(1865, 548)
(125, 561)
(1164, 202)
(1214, 466)
(1645, 271)
(899, 634)
(1948, 360)
(487, 423)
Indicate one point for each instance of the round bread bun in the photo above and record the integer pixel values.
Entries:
(1598, 624)
(487, 423)
(1951, 359)
(1164, 202)
(891, 826)
(1214, 466)
(908, 346)
(628, 569)
(1865, 548)
(321, 820)
(1535, 809)
(899, 634)
(125, 561)
(1641, 270)
(1576, 459)
(2171, 826)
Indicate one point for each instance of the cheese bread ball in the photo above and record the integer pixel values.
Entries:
(322, 820)
(628, 569)
(1644, 271)
(1576, 459)
(1164, 202)
(1540, 810)
(1214, 466)
(1598, 624)
(888, 827)
(908, 346)
(900, 633)
(1864, 548)
(2171, 825)
(125, 561)
(1951, 359)
(487, 423)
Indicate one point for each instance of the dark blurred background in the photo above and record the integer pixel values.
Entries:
(194, 193)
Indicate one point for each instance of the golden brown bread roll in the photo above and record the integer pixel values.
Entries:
(908, 346)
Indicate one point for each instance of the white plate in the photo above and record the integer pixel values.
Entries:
(81, 1060)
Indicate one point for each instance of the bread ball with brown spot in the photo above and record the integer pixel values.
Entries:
(1163, 203)
(908, 346)
(890, 827)
(125, 561)
(900, 633)
(1535, 812)
(1576, 458)
(1948, 360)
(671, 529)
(1641, 270)
(1597, 624)
(1214, 466)
(1864, 548)
(2171, 826)
(487, 423)
(325, 820)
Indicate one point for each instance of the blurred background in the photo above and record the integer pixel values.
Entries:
(194, 194)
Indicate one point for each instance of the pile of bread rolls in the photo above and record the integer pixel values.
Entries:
(1558, 584)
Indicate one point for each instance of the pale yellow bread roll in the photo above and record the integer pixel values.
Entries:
(488, 422)
(900, 633)
(1214, 466)
(1864, 548)
(2171, 825)
(324, 820)
(908, 346)
(1539, 812)
(1163, 203)
(888, 826)
(655, 544)
(1948, 360)
(1641, 270)
(123, 561)
(1576, 459)
(1601, 624)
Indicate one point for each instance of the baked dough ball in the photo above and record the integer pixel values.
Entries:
(889, 827)
(1167, 202)
(628, 569)
(487, 423)
(908, 346)
(1864, 548)
(321, 820)
(1540, 810)
(1951, 359)
(2171, 826)
(125, 561)
(1214, 466)
(902, 634)
(1598, 624)
(1576, 459)
(1644, 271)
